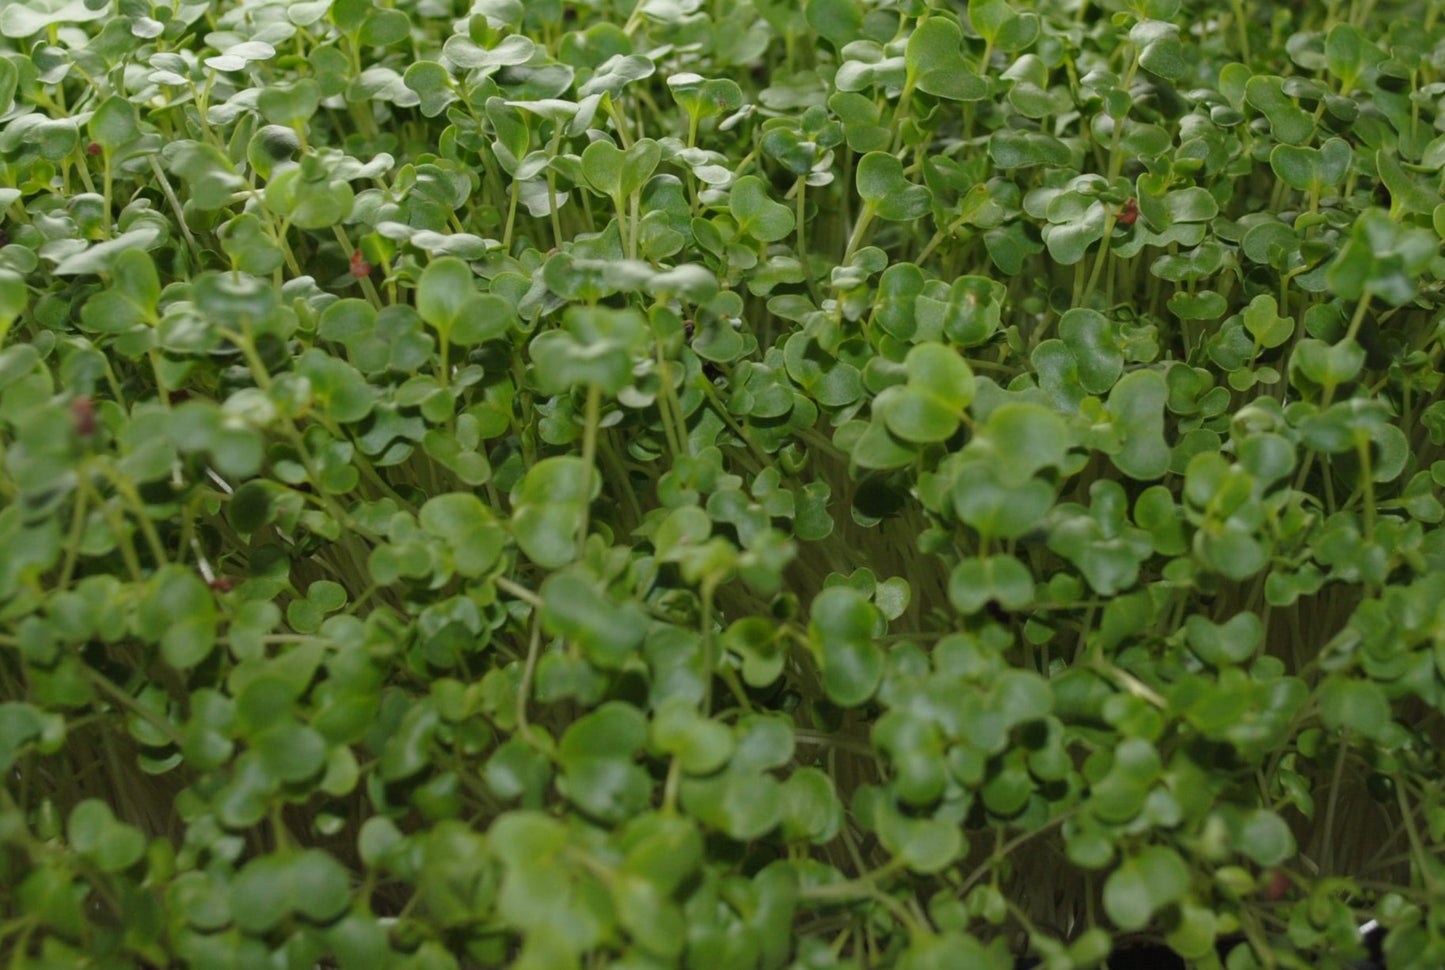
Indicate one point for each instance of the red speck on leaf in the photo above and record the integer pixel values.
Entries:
(359, 266)
(223, 584)
(82, 412)
(1277, 886)
(93, 149)
(1129, 213)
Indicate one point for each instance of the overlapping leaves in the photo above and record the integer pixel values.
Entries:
(550, 489)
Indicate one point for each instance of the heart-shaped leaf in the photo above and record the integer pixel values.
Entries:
(936, 65)
(757, 214)
(881, 184)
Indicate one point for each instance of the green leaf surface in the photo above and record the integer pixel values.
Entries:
(550, 507)
(841, 629)
(574, 607)
(882, 184)
(1025, 438)
(94, 832)
(935, 62)
(1143, 885)
(667, 483)
(836, 21)
(1136, 405)
(756, 214)
(1354, 705)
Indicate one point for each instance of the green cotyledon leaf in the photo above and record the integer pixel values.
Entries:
(759, 216)
(882, 184)
(550, 508)
(1136, 406)
(841, 631)
(935, 62)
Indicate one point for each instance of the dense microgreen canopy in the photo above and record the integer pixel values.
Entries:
(753, 484)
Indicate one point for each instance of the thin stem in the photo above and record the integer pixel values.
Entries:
(517, 591)
(511, 215)
(669, 411)
(128, 492)
(77, 531)
(108, 687)
(621, 480)
(1241, 23)
(1328, 850)
(553, 215)
(175, 204)
(123, 540)
(367, 287)
(671, 785)
(990, 864)
(1416, 843)
(591, 419)
(1132, 684)
(529, 671)
(709, 587)
(859, 228)
(107, 182)
(1367, 485)
(1103, 254)
(800, 219)
(634, 223)
(859, 888)
(900, 113)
